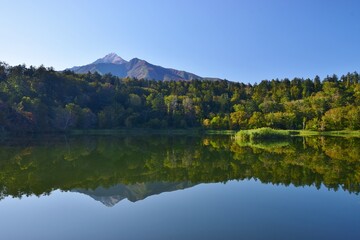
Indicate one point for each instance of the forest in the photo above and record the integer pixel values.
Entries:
(40, 99)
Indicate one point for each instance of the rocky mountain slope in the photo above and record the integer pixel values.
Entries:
(136, 68)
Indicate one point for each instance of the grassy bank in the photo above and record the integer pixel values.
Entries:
(269, 133)
(342, 133)
(263, 134)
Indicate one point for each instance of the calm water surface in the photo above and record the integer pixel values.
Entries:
(178, 187)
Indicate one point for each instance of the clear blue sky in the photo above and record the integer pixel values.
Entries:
(240, 40)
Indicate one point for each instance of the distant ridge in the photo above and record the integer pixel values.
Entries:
(135, 68)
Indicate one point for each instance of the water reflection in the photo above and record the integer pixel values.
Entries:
(134, 192)
(112, 168)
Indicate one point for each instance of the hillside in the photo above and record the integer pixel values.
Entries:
(41, 99)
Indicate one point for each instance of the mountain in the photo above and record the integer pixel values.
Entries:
(135, 192)
(136, 68)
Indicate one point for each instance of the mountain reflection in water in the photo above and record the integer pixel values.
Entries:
(135, 192)
(112, 168)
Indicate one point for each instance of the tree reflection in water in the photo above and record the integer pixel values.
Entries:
(39, 165)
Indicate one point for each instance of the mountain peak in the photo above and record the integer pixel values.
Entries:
(111, 58)
(135, 68)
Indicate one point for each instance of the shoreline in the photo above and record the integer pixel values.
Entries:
(190, 131)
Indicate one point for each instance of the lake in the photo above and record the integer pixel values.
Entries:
(148, 186)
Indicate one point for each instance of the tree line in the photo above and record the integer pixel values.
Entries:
(41, 99)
